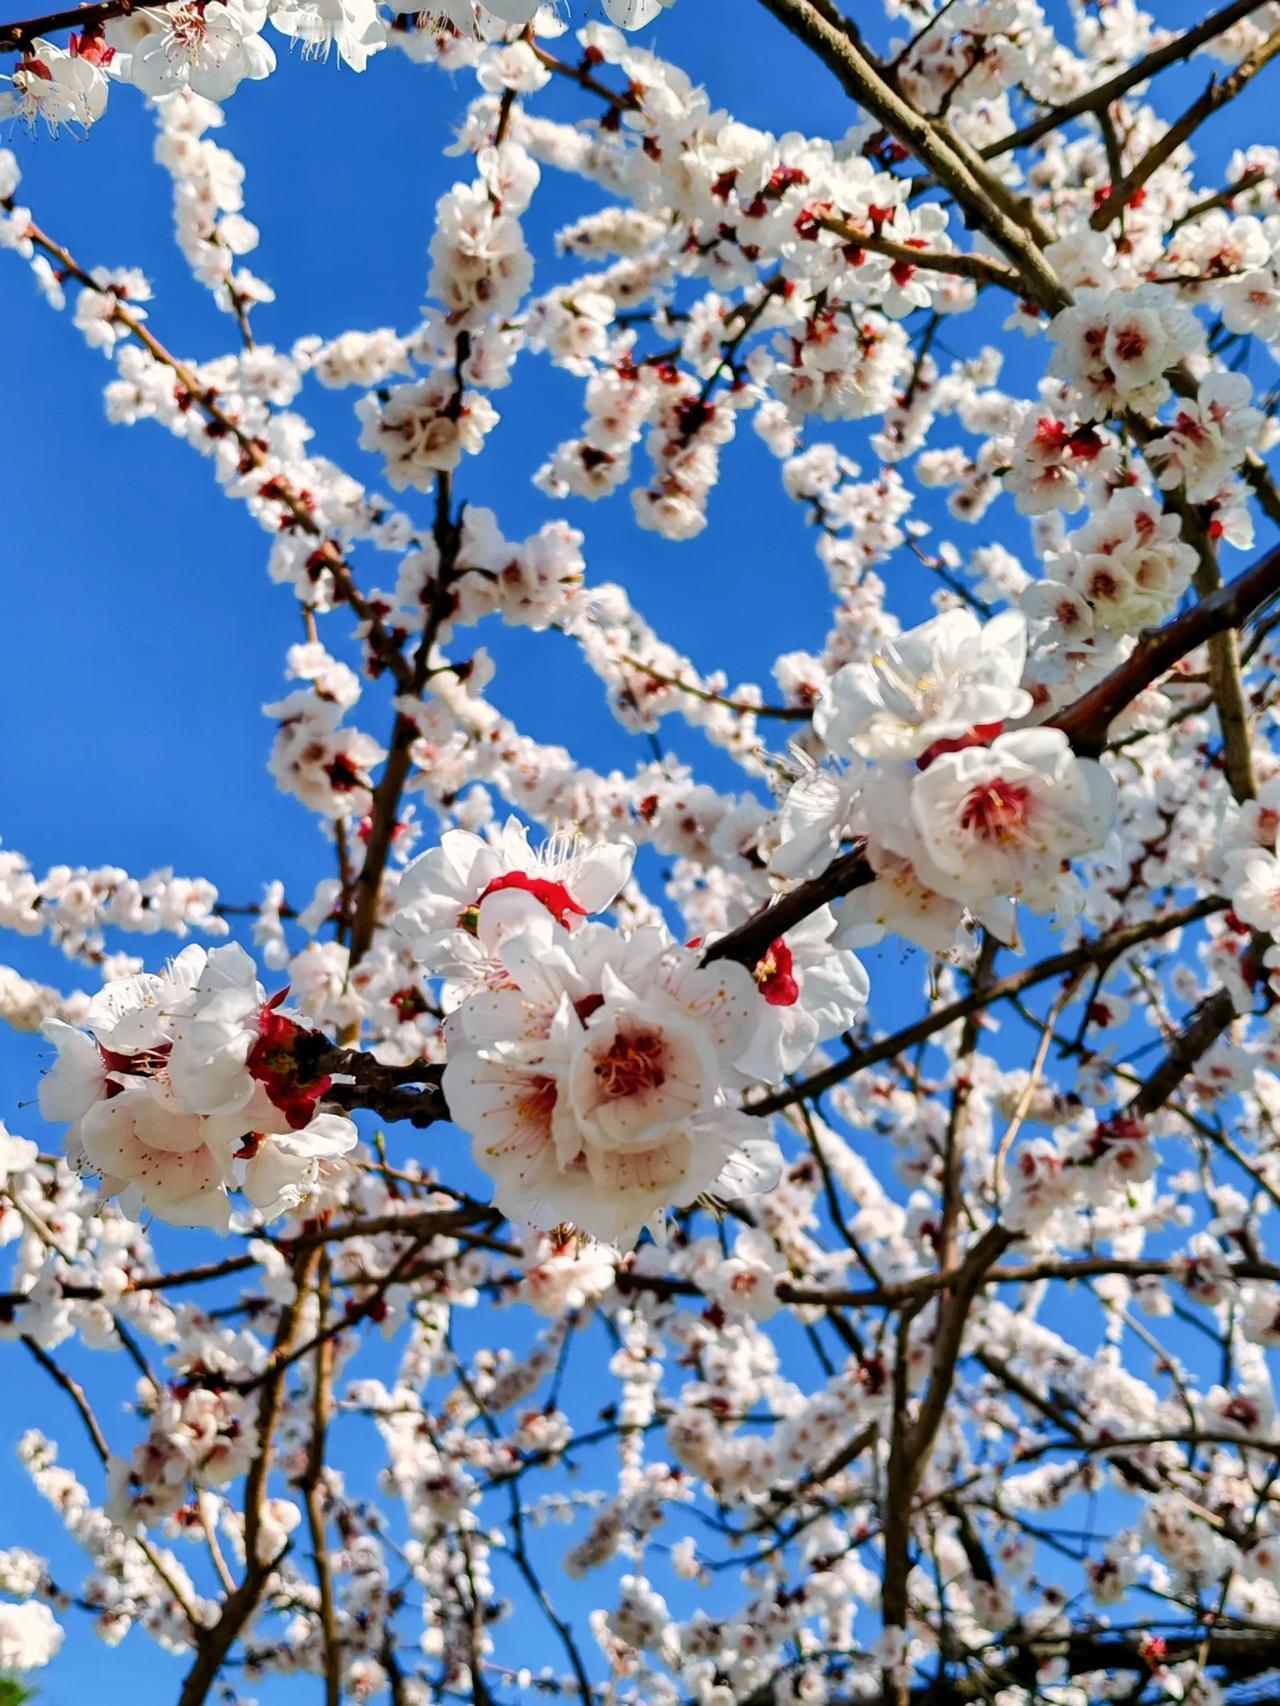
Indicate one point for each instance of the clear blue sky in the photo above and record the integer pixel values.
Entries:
(142, 635)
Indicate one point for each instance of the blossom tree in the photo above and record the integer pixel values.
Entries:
(783, 1220)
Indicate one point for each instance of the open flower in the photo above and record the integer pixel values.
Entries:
(55, 85)
(208, 46)
(935, 683)
(1004, 819)
(1115, 346)
(595, 1090)
(230, 1043)
(808, 991)
(1129, 562)
(457, 902)
(353, 26)
(188, 1085)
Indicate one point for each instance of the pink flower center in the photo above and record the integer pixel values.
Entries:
(997, 810)
(632, 1065)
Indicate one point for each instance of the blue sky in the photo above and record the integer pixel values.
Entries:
(142, 635)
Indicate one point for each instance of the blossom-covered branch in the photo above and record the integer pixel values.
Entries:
(779, 1213)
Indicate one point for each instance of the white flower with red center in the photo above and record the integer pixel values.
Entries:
(318, 759)
(938, 682)
(1005, 819)
(1129, 562)
(564, 1271)
(1039, 1183)
(910, 896)
(130, 1038)
(1252, 304)
(1115, 347)
(1051, 459)
(458, 901)
(231, 1044)
(479, 263)
(747, 1282)
(208, 46)
(55, 85)
(1253, 882)
(596, 1089)
(1210, 436)
(809, 991)
(423, 428)
(181, 1077)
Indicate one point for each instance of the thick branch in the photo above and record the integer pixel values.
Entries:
(751, 941)
(986, 201)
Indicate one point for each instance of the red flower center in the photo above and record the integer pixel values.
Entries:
(273, 1061)
(1130, 343)
(774, 975)
(997, 810)
(632, 1064)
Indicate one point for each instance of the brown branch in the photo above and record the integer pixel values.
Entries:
(1086, 722)
(18, 37)
(1200, 1032)
(321, 1402)
(1220, 198)
(980, 267)
(953, 1149)
(1012, 225)
(239, 1607)
(1218, 94)
(1181, 47)
(621, 100)
(783, 713)
(751, 941)
(74, 1391)
(1100, 951)
(367, 887)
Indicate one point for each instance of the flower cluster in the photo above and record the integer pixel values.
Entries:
(843, 1305)
(1115, 347)
(190, 1084)
(209, 47)
(594, 1068)
(1124, 570)
(960, 813)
